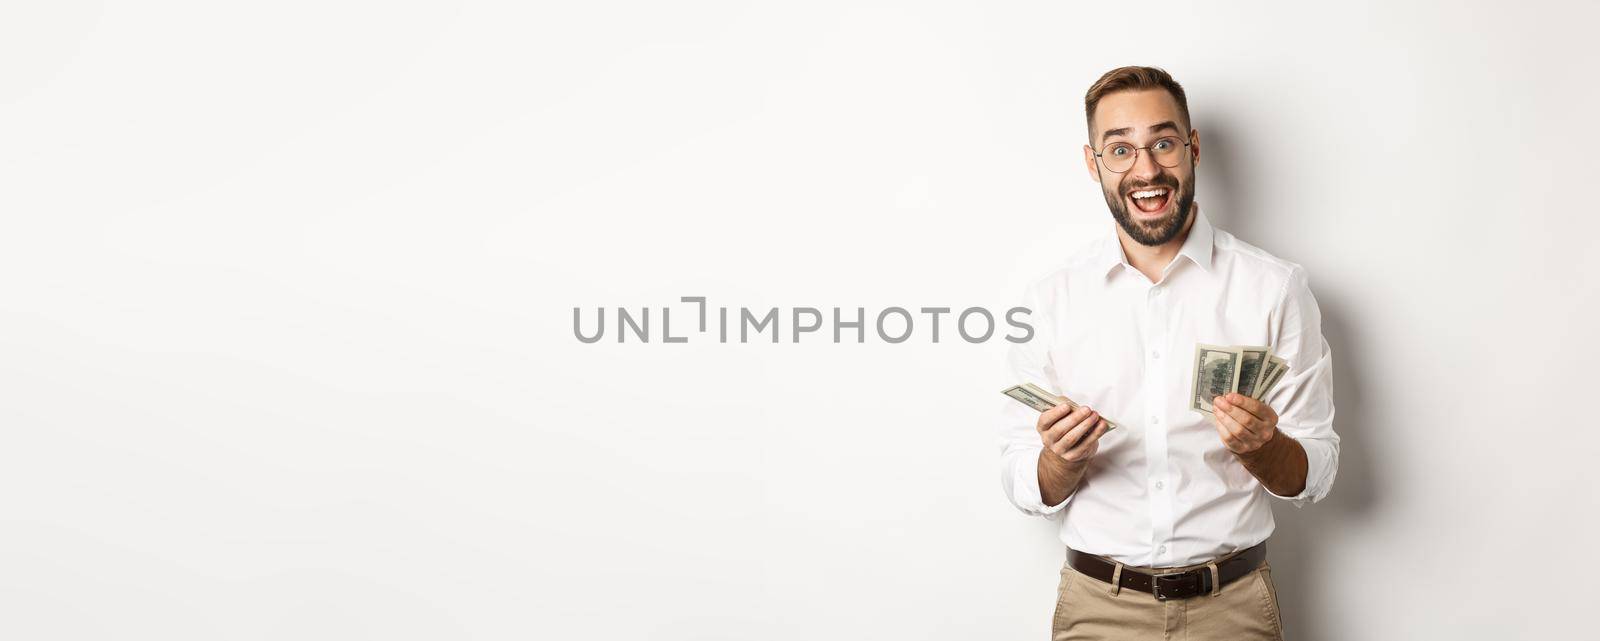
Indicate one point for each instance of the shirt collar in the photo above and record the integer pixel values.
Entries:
(1197, 247)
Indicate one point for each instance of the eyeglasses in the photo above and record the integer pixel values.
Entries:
(1119, 157)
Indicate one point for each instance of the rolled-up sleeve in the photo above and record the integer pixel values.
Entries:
(1019, 440)
(1303, 398)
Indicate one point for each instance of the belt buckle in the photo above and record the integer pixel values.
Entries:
(1157, 580)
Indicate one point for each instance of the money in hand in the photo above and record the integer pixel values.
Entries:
(1246, 369)
(1216, 372)
(1270, 374)
(1035, 397)
(1250, 367)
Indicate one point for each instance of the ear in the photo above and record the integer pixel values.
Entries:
(1194, 147)
(1089, 163)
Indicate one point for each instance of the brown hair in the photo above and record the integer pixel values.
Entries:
(1133, 79)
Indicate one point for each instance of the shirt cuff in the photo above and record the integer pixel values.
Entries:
(1026, 485)
(1319, 462)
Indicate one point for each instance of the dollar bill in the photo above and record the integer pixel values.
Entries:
(1252, 367)
(1216, 372)
(1035, 397)
(1276, 368)
(1029, 397)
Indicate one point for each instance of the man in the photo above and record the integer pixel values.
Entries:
(1165, 518)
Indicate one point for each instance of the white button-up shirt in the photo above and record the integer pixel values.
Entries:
(1163, 490)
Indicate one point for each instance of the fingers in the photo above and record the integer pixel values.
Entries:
(1256, 408)
(1242, 434)
(1232, 433)
(1070, 425)
(1086, 447)
(1246, 419)
(1066, 432)
(1079, 433)
(1050, 416)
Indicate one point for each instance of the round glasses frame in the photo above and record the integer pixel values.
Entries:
(1100, 154)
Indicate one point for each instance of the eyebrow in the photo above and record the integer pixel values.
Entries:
(1123, 131)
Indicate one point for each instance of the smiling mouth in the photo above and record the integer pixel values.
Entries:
(1150, 200)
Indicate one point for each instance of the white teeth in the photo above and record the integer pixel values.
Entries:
(1149, 193)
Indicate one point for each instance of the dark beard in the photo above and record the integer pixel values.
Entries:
(1159, 232)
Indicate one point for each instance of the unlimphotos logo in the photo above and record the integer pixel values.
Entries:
(892, 324)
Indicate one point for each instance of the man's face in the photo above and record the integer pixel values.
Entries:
(1140, 118)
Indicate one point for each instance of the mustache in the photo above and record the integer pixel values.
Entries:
(1165, 181)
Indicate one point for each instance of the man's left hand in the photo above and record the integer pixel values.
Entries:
(1245, 424)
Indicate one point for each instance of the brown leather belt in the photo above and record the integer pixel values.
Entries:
(1172, 585)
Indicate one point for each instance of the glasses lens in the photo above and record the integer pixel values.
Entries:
(1167, 151)
(1118, 157)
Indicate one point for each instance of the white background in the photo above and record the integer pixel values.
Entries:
(285, 314)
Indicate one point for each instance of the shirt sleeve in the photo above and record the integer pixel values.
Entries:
(1303, 398)
(1027, 362)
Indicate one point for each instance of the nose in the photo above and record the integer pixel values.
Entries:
(1144, 166)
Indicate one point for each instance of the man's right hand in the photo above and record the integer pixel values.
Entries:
(1072, 434)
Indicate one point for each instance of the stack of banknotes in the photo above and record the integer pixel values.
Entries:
(1218, 370)
(1248, 370)
(1035, 397)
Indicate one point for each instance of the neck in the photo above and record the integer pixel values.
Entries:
(1151, 260)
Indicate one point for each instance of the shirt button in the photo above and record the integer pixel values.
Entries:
(1161, 550)
(1158, 485)
(1155, 420)
(1155, 353)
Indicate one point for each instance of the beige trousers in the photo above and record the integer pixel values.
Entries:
(1088, 608)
